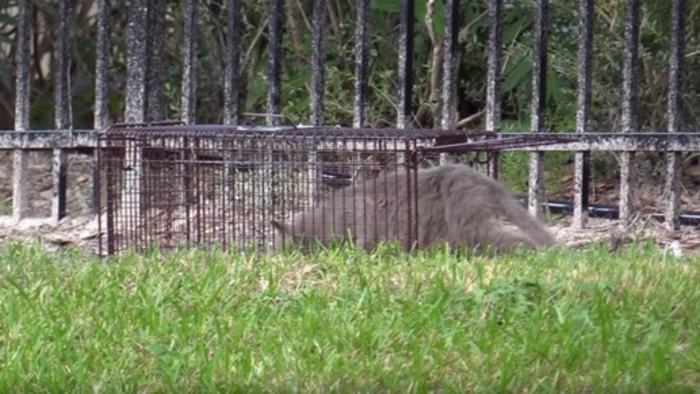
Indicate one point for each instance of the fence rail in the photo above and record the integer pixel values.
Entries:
(569, 142)
(145, 103)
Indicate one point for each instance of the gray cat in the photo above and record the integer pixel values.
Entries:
(456, 204)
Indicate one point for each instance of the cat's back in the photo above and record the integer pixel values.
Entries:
(450, 176)
(395, 188)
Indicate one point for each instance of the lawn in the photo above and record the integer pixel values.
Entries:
(346, 320)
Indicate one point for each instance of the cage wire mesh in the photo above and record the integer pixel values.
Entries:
(175, 186)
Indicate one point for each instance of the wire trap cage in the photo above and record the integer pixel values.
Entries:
(178, 186)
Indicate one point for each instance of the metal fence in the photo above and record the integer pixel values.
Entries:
(144, 86)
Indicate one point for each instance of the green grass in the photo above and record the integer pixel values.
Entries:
(198, 321)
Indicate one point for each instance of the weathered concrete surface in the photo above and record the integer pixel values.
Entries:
(79, 231)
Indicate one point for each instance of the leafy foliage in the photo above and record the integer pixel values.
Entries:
(517, 44)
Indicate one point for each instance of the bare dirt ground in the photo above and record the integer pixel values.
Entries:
(80, 228)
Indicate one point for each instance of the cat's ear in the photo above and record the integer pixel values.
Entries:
(281, 227)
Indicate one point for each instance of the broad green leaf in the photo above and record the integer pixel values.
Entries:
(516, 74)
(386, 5)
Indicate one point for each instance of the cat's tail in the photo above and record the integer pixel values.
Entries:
(530, 225)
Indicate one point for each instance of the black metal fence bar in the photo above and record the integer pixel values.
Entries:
(539, 91)
(405, 72)
(136, 87)
(137, 103)
(318, 62)
(675, 112)
(274, 87)
(188, 101)
(104, 43)
(62, 97)
(318, 83)
(62, 106)
(189, 63)
(102, 61)
(449, 71)
(493, 76)
(233, 51)
(583, 111)
(231, 87)
(19, 168)
(629, 106)
(155, 66)
(362, 27)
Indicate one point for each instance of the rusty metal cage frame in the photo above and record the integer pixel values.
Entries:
(124, 149)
